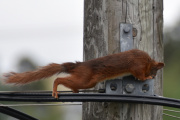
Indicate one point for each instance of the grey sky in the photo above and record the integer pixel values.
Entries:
(49, 30)
(46, 30)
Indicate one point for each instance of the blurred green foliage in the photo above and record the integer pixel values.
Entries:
(171, 85)
(39, 112)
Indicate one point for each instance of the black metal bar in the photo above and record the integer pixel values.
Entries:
(15, 113)
(87, 97)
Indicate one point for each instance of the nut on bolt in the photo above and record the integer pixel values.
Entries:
(126, 29)
(129, 88)
(113, 86)
(145, 88)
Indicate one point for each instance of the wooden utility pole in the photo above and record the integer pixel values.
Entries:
(101, 37)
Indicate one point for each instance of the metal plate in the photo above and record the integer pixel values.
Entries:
(126, 38)
(128, 85)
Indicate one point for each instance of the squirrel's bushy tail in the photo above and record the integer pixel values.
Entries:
(27, 77)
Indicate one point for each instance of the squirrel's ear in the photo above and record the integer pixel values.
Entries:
(160, 65)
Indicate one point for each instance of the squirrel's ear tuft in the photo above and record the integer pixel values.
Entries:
(160, 65)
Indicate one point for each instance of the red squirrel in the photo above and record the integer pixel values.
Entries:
(83, 75)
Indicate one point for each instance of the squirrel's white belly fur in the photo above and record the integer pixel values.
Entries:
(62, 75)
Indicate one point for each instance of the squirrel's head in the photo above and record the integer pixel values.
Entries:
(154, 68)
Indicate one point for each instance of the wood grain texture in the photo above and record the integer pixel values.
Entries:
(101, 37)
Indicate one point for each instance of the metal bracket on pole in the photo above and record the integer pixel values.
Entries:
(128, 85)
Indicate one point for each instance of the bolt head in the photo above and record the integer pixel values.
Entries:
(126, 29)
(129, 88)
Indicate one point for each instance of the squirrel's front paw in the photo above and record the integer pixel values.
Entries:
(149, 77)
(145, 78)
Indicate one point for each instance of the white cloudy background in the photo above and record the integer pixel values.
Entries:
(45, 30)
(49, 30)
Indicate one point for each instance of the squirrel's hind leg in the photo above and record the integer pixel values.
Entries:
(66, 82)
(55, 85)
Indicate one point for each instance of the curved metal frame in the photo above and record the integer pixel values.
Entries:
(87, 97)
(78, 97)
